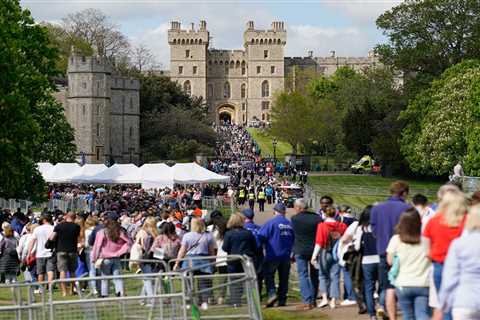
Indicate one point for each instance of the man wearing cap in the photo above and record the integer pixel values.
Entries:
(259, 258)
(278, 237)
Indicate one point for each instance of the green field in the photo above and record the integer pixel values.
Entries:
(358, 191)
(265, 142)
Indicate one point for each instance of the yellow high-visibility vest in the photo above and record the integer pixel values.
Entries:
(251, 196)
(261, 195)
(241, 194)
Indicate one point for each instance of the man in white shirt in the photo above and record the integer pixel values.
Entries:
(44, 259)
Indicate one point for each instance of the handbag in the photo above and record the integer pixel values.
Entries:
(30, 260)
(394, 270)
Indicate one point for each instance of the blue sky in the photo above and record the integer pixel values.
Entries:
(346, 26)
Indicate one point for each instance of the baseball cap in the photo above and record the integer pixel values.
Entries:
(248, 213)
(280, 207)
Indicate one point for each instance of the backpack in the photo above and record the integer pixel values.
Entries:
(333, 243)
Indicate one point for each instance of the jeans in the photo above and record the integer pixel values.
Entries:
(304, 270)
(147, 289)
(370, 276)
(437, 279)
(413, 302)
(111, 266)
(92, 272)
(347, 283)
(329, 278)
(283, 268)
(383, 283)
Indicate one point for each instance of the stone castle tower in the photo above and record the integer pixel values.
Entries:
(103, 109)
(237, 85)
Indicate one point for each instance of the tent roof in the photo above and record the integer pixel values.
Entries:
(156, 175)
(119, 173)
(44, 167)
(87, 173)
(189, 173)
(61, 172)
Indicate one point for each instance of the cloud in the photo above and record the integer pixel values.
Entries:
(362, 11)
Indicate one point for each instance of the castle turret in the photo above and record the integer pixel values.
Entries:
(188, 57)
(88, 106)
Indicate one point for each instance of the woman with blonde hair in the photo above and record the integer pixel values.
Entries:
(461, 272)
(442, 229)
(144, 238)
(195, 244)
(89, 225)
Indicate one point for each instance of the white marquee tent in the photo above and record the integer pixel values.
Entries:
(150, 175)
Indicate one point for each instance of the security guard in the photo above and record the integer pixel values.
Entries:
(261, 197)
(241, 196)
(251, 199)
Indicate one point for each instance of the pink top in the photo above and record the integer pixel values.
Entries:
(105, 248)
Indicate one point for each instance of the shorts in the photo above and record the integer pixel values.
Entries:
(45, 265)
(67, 262)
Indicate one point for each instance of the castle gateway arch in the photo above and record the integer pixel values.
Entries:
(226, 112)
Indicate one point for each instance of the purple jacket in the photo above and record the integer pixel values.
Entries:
(383, 218)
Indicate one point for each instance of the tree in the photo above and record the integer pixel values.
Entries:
(428, 36)
(64, 42)
(96, 29)
(28, 65)
(173, 125)
(292, 119)
(142, 58)
(443, 122)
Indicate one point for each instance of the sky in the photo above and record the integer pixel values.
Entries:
(345, 26)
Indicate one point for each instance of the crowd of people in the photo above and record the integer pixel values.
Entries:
(421, 256)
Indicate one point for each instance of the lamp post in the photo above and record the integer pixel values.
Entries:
(274, 144)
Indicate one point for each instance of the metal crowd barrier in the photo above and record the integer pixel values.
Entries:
(14, 204)
(157, 296)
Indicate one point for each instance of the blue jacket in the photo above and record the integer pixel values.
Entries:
(278, 237)
(383, 219)
(253, 228)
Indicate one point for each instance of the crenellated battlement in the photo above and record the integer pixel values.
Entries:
(277, 35)
(81, 63)
(192, 36)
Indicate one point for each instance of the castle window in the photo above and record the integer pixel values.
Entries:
(265, 105)
(84, 85)
(243, 117)
(131, 102)
(98, 109)
(183, 41)
(226, 69)
(174, 41)
(244, 70)
(187, 53)
(265, 89)
(180, 70)
(244, 106)
(237, 65)
(272, 69)
(279, 41)
(210, 91)
(97, 152)
(98, 129)
(226, 90)
(253, 41)
(194, 69)
(84, 59)
(259, 69)
(98, 87)
(199, 41)
(270, 41)
(243, 90)
(209, 62)
(263, 116)
(187, 87)
(84, 109)
(268, 116)
(265, 54)
(261, 41)
(131, 132)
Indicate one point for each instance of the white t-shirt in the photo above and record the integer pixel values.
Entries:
(414, 263)
(356, 233)
(42, 233)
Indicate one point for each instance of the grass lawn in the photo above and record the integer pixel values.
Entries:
(275, 314)
(358, 191)
(265, 142)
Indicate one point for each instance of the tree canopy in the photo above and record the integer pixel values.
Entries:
(443, 123)
(26, 135)
(428, 36)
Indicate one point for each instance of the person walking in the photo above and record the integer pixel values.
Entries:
(460, 287)
(278, 237)
(383, 219)
(44, 258)
(269, 193)
(328, 233)
(145, 237)
(238, 241)
(441, 230)
(251, 198)
(251, 226)
(111, 242)
(65, 235)
(261, 198)
(196, 244)
(410, 266)
(9, 261)
(304, 225)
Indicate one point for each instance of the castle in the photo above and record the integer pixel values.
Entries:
(104, 110)
(239, 85)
